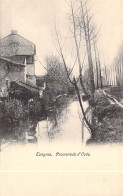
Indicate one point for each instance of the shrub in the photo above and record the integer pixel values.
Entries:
(14, 110)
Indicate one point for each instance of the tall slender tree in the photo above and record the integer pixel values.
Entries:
(82, 31)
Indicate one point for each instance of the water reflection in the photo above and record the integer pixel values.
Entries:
(62, 124)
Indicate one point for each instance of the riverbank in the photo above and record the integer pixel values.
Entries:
(110, 118)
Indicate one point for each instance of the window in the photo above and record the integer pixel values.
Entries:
(30, 59)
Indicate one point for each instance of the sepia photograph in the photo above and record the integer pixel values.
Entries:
(61, 85)
(61, 97)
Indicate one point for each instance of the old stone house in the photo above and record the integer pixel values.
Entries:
(10, 71)
(17, 64)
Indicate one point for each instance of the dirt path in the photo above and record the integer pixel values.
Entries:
(112, 100)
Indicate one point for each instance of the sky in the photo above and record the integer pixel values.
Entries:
(34, 20)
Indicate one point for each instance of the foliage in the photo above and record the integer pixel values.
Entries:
(14, 110)
(36, 108)
(57, 82)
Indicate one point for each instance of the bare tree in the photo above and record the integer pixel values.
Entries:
(86, 25)
(96, 63)
(82, 31)
(100, 72)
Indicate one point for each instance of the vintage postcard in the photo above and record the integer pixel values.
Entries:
(61, 91)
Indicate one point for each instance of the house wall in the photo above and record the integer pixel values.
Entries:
(29, 63)
(11, 73)
(30, 67)
(14, 44)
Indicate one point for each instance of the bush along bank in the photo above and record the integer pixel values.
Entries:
(16, 110)
(109, 120)
(13, 110)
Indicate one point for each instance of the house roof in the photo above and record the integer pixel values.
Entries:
(12, 62)
(31, 86)
(26, 90)
(14, 44)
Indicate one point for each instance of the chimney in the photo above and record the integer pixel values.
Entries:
(14, 32)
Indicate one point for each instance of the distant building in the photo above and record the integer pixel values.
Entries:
(17, 64)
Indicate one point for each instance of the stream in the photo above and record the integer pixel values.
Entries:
(62, 125)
